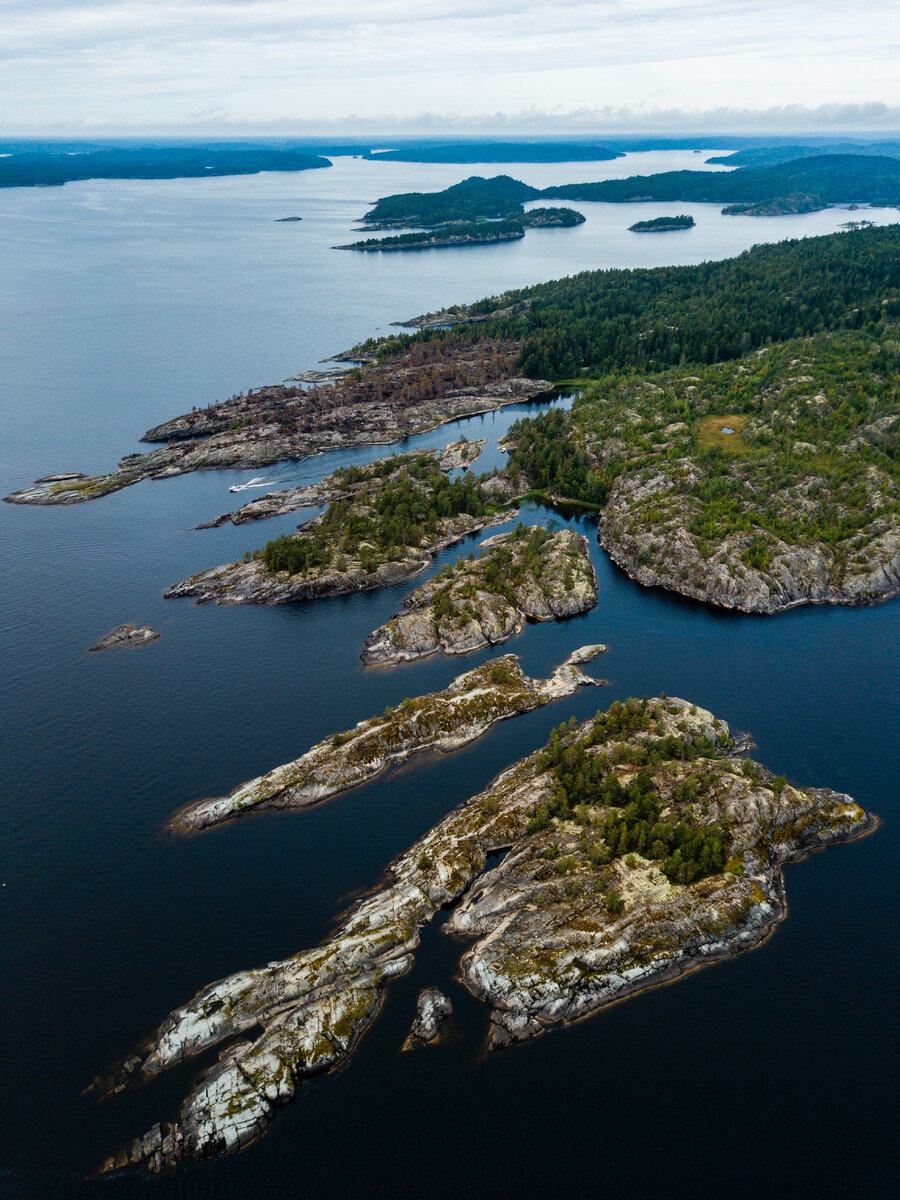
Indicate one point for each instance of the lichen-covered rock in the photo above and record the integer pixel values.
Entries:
(671, 556)
(128, 636)
(442, 721)
(432, 1009)
(569, 921)
(340, 484)
(476, 602)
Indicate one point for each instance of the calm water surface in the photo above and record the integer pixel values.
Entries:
(125, 303)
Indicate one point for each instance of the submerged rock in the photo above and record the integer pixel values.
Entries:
(530, 573)
(432, 1009)
(378, 404)
(587, 907)
(442, 721)
(130, 636)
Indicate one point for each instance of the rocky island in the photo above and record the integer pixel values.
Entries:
(432, 1009)
(778, 206)
(755, 485)
(399, 394)
(481, 601)
(386, 530)
(442, 721)
(640, 846)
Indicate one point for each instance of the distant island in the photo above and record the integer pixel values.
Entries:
(780, 206)
(767, 156)
(499, 152)
(662, 224)
(42, 168)
(474, 233)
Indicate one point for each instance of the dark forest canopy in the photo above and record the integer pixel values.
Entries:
(500, 152)
(832, 178)
(652, 319)
(473, 199)
(40, 168)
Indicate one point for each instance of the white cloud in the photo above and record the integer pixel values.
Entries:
(80, 64)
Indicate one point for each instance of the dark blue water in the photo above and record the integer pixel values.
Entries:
(772, 1073)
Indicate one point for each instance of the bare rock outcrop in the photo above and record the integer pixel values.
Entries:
(572, 918)
(128, 636)
(432, 1009)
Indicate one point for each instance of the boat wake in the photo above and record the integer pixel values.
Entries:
(253, 483)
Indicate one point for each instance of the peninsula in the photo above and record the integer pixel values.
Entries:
(830, 178)
(443, 721)
(482, 601)
(639, 847)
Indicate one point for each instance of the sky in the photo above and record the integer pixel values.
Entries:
(95, 67)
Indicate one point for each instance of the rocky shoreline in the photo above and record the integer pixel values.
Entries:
(443, 721)
(793, 576)
(454, 457)
(528, 574)
(564, 925)
(376, 405)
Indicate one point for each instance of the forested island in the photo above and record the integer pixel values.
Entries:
(483, 600)
(43, 168)
(386, 529)
(767, 156)
(756, 485)
(640, 846)
(474, 212)
(476, 233)
(662, 224)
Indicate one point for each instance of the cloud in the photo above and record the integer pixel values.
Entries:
(76, 64)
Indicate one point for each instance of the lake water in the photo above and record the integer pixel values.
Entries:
(124, 303)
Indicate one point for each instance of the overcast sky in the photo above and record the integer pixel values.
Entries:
(231, 66)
